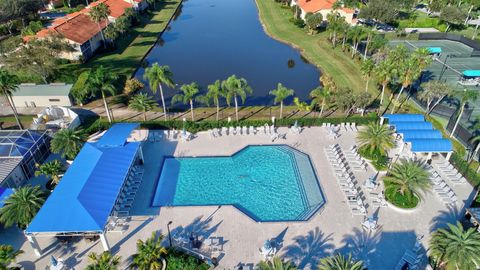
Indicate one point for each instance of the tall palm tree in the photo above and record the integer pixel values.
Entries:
(214, 93)
(149, 253)
(9, 84)
(384, 72)
(340, 262)
(22, 206)
(235, 88)
(142, 103)
(367, 68)
(319, 97)
(275, 264)
(101, 81)
(68, 142)
(355, 33)
(409, 178)
(188, 94)
(456, 248)
(104, 261)
(8, 255)
(156, 76)
(467, 96)
(52, 170)
(281, 93)
(376, 138)
(99, 14)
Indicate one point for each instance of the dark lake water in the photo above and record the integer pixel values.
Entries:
(213, 39)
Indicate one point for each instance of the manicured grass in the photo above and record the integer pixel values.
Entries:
(316, 48)
(398, 200)
(9, 122)
(134, 46)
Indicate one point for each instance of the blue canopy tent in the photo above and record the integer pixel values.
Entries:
(4, 194)
(404, 117)
(471, 73)
(431, 145)
(400, 127)
(85, 197)
(421, 134)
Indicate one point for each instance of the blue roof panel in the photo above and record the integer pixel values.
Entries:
(400, 127)
(431, 145)
(4, 194)
(117, 134)
(399, 117)
(421, 134)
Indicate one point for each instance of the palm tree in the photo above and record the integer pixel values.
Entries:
(188, 95)
(234, 88)
(433, 93)
(68, 142)
(456, 248)
(104, 261)
(8, 256)
(384, 72)
(319, 97)
(275, 264)
(376, 138)
(281, 93)
(52, 170)
(156, 76)
(142, 103)
(367, 68)
(467, 96)
(149, 254)
(22, 206)
(340, 262)
(101, 80)
(355, 33)
(8, 85)
(476, 140)
(409, 178)
(215, 91)
(100, 13)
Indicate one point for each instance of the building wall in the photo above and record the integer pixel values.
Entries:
(348, 16)
(42, 101)
(16, 178)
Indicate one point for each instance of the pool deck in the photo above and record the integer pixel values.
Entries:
(333, 228)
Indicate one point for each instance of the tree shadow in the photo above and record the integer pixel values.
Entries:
(308, 249)
(200, 227)
(361, 244)
(449, 215)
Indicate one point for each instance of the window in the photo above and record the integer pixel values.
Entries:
(54, 100)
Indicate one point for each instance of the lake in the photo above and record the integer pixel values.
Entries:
(213, 39)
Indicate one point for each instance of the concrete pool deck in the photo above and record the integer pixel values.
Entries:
(333, 228)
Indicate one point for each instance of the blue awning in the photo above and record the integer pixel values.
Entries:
(404, 117)
(400, 127)
(431, 145)
(421, 134)
(4, 194)
(117, 134)
(471, 73)
(434, 50)
(86, 194)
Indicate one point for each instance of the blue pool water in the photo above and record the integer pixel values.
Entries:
(268, 183)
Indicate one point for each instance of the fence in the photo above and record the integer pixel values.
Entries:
(453, 37)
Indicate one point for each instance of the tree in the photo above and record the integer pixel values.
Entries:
(156, 76)
(99, 14)
(335, 21)
(456, 248)
(452, 15)
(101, 81)
(433, 93)
(320, 97)
(467, 96)
(344, 99)
(22, 206)
(409, 178)
(104, 261)
(385, 72)
(68, 142)
(385, 11)
(214, 93)
(132, 86)
(367, 69)
(149, 253)
(281, 93)
(11, 10)
(235, 88)
(340, 262)
(142, 103)
(328, 83)
(111, 34)
(52, 170)
(362, 100)
(8, 255)
(355, 33)
(275, 264)
(8, 85)
(313, 21)
(188, 94)
(376, 138)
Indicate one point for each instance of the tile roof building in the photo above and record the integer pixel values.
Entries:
(324, 7)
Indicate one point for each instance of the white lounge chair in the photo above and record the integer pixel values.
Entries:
(244, 130)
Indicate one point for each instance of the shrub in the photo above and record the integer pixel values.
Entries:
(464, 168)
(132, 86)
(179, 260)
(32, 28)
(379, 161)
(397, 199)
(78, 89)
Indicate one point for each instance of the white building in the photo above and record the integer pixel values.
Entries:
(43, 95)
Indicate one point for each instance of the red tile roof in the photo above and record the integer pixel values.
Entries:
(117, 7)
(317, 5)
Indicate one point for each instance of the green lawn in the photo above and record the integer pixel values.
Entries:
(316, 48)
(132, 48)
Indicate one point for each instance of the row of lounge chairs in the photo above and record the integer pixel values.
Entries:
(442, 189)
(346, 179)
(451, 173)
(354, 159)
(237, 131)
(174, 135)
(129, 190)
(346, 126)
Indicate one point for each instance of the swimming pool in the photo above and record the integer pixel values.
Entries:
(266, 182)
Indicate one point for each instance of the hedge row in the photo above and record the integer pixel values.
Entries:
(464, 168)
